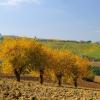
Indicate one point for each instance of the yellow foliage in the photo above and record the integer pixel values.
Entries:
(21, 53)
(16, 52)
(7, 68)
(83, 65)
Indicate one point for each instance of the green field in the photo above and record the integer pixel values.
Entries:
(96, 70)
(81, 48)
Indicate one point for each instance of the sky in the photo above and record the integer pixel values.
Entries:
(53, 19)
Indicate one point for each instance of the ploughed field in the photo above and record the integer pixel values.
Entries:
(27, 90)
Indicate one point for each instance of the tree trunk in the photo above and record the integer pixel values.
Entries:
(41, 76)
(41, 79)
(59, 81)
(17, 75)
(75, 82)
(59, 77)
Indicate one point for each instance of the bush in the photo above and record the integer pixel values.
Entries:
(89, 77)
(96, 70)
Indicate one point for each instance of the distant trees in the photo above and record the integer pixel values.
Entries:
(22, 54)
(1, 38)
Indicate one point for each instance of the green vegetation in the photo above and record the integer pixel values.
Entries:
(89, 49)
(96, 70)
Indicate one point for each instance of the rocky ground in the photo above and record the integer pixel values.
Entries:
(28, 90)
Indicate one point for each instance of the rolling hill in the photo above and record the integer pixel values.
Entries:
(85, 48)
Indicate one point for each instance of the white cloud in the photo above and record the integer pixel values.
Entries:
(18, 2)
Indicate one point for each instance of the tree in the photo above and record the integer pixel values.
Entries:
(75, 74)
(15, 52)
(63, 61)
(80, 69)
(38, 59)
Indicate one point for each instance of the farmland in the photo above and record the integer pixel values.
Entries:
(59, 61)
(89, 49)
(27, 90)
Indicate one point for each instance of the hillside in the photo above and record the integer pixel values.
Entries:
(89, 49)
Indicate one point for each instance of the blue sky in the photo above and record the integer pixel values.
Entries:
(57, 19)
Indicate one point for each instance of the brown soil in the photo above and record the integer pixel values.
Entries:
(81, 83)
(27, 90)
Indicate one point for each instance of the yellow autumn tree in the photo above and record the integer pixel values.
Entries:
(16, 53)
(66, 64)
(39, 59)
(21, 54)
(79, 69)
(83, 66)
(62, 62)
